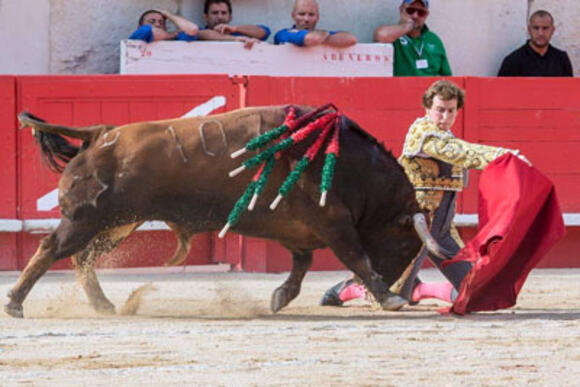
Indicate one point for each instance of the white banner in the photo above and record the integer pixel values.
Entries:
(175, 57)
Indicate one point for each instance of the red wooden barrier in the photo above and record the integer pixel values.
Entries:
(87, 100)
(8, 241)
(539, 116)
(385, 107)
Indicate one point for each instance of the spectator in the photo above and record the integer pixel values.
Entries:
(217, 15)
(436, 163)
(304, 33)
(153, 27)
(537, 58)
(418, 51)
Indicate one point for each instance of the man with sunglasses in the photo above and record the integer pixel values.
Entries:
(418, 51)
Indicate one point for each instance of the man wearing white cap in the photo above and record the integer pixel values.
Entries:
(418, 51)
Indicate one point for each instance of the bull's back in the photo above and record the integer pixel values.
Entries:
(181, 164)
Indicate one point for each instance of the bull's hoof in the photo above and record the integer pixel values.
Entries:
(280, 298)
(393, 302)
(14, 310)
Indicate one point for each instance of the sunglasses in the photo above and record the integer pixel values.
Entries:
(412, 10)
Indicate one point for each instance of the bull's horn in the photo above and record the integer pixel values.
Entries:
(430, 243)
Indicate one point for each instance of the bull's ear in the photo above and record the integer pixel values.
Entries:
(405, 221)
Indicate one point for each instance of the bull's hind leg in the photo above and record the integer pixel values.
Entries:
(84, 265)
(66, 240)
(290, 289)
(183, 245)
(36, 267)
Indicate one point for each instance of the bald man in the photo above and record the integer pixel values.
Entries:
(538, 58)
(304, 33)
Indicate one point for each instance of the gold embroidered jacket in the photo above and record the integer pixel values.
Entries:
(435, 161)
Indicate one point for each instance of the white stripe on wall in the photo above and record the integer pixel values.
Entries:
(43, 226)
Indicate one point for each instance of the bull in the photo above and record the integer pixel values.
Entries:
(177, 171)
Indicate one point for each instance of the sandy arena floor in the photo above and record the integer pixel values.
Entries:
(216, 329)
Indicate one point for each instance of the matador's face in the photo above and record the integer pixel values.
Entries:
(443, 112)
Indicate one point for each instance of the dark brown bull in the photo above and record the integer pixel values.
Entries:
(177, 171)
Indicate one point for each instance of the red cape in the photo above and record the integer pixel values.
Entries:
(519, 221)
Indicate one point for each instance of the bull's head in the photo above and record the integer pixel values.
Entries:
(393, 248)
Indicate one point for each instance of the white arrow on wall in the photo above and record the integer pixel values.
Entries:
(49, 201)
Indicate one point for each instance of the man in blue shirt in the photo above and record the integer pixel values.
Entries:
(217, 15)
(153, 27)
(304, 33)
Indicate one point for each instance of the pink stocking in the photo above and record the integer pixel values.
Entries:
(439, 290)
(351, 292)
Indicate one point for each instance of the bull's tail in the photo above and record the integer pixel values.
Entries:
(56, 150)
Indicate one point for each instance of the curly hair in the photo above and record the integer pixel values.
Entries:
(446, 90)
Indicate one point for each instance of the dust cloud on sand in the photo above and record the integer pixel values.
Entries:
(216, 329)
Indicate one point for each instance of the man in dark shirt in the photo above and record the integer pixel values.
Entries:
(537, 58)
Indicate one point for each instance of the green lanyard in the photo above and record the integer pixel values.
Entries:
(419, 50)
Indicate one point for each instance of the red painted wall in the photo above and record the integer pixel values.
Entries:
(88, 100)
(541, 117)
(8, 241)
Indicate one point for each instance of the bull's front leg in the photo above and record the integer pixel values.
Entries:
(348, 248)
(290, 289)
(334, 227)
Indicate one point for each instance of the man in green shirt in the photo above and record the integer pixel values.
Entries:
(418, 51)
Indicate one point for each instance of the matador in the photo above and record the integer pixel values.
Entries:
(437, 164)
